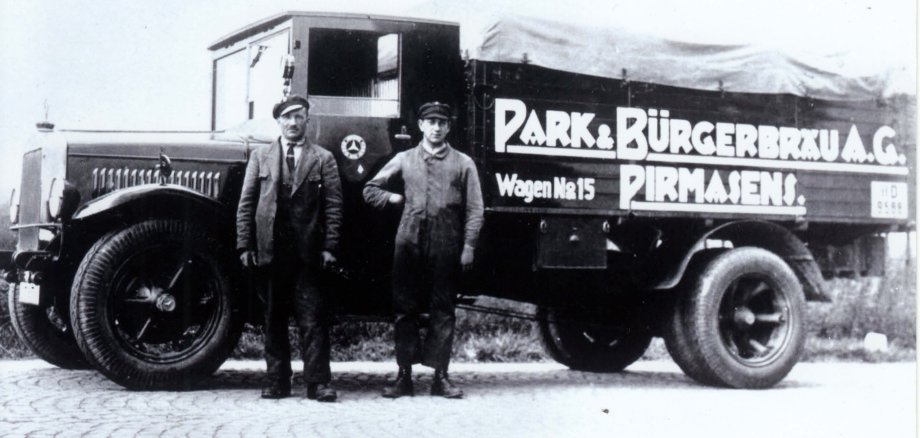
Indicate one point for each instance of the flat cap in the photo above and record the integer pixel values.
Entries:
(434, 110)
(292, 103)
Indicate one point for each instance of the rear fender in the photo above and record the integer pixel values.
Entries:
(766, 235)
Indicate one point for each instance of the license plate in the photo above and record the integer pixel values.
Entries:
(29, 293)
(889, 200)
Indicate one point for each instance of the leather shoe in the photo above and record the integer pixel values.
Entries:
(442, 386)
(321, 392)
(402, 386)
(276, 390)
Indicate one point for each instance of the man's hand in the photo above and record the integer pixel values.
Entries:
(396, 198)
(248, 259)
(466, 258)
(328, 259)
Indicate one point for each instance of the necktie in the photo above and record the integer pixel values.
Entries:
(289, 157)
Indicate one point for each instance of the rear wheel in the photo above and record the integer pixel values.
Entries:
(589, 343)
(675, 332)
(152, 305)
(679, 346)
(46, 331)
(742, 320)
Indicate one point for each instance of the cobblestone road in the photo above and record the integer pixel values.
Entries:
(652, 399)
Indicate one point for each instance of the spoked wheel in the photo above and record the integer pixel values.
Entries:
(165, 307)
(153, 307)
(742, 320)
(754, 320)
(590, 344)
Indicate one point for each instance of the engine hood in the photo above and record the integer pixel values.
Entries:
(233, 144)
(178, 146)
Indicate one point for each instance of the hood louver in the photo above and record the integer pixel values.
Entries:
(106, 180)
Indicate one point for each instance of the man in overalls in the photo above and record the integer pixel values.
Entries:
(441, 218)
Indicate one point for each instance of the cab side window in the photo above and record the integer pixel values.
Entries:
(354, 73)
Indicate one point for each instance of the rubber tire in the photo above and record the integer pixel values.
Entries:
(51, 343)
(680, 347)
(700, 319)
(562, 339)
(91, 293)
(674, 330)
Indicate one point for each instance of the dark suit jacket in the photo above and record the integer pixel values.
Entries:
(316, 203)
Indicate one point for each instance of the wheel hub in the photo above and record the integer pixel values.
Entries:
(744, 318)
(754, 320)
(166, 303)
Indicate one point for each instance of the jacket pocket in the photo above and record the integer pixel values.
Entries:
(264, 169)
(454, 195)
(264, 181)
(315, 183)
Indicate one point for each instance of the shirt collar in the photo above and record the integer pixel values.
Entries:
(440, 153)
(287, 143)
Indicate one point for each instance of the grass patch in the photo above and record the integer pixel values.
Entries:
(886, 305)
(478, 337)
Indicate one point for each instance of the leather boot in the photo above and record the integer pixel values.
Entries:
(277, 389)
(321, 392)
(441, 385)
(402, 386)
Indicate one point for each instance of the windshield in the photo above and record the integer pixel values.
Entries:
(248, 82)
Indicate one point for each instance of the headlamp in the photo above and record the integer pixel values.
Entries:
(14, 206)
(56, 198)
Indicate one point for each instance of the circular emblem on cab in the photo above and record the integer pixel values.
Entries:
(353, 147)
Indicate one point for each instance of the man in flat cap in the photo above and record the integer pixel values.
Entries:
(288, 223)
(441, 216)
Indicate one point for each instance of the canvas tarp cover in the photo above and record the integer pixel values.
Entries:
(825, 49)
(619, 53)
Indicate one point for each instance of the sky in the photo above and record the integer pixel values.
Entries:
(106, 64)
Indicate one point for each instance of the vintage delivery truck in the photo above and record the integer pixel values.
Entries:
(634, 187)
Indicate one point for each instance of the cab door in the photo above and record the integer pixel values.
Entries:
(353, 83)
(365, 79)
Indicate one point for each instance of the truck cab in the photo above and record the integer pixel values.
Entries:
(365, 77)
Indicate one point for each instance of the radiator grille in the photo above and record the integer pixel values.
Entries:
(30, 200)
(30, 196)
(106, 179)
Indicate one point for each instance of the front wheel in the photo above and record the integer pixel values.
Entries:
(590, 343)
(743, 320)
(46, 331)
(152, 306)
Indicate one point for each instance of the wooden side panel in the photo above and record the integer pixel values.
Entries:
(555, 142)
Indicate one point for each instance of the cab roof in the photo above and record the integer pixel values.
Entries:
(274, 20)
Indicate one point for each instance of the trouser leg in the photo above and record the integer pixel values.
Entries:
(443, 266)
(405, 304)
(313, 320)
(276, 290)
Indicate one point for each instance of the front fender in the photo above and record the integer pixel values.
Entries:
(162, 200)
